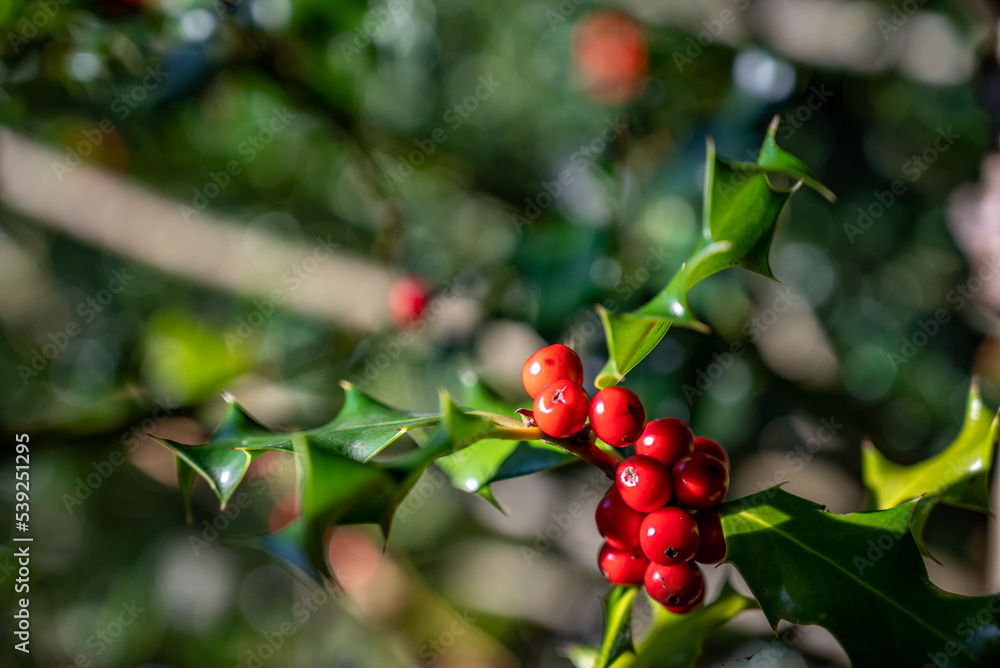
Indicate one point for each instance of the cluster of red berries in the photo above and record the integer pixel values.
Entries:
(658, 517)
(553, 378)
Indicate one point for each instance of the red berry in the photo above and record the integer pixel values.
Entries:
(682, 609)
(712, 548)
(710, 447)
(667, 439)
(407, 299)
(617, 416)
(622, 567)
(644, 483)
(674, 586)
(561, 408)
(618, 523)
(548, 365)
(610, 53)
(669, 536)
(700, 480)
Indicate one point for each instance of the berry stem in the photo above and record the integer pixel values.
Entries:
(582, 445)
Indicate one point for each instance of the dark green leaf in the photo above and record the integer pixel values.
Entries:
(740, 214)
(338, 490)
(185, 482)
(861, 577)
(362, 429)
(222, 462)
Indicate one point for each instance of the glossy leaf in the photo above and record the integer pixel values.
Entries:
(740, 213)
(617, 648)
(224, 460)
(338, 490)
(861, 577)
(673, 641)
(617, 638)
(491, 460)
(676, 641)
(362, 429)
(957, 476)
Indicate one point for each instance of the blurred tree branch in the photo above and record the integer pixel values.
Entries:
(106, 211)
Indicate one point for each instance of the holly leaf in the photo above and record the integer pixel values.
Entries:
(361, 430)
(676, 641)
(860, 576)
(617, 639)
(490, 460)
(616, 643)
(338, 490)
(364, 427)
(742, 204)
(956, 476)
(223, 461)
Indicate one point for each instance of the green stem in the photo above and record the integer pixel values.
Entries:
(582, 445)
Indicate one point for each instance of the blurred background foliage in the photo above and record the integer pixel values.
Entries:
(427, 138)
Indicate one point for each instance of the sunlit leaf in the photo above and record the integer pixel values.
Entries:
(742, 204)
(676, 641)
(860, 576)
(362, 429)
(957, 476)
(491, 460)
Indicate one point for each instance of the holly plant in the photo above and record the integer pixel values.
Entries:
(861, 576)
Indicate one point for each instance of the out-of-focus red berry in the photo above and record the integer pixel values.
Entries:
(610, 53)
(408, 298)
